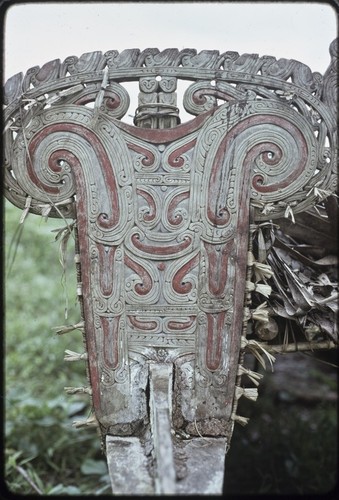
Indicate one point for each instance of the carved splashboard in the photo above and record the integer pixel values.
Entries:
(163, 210)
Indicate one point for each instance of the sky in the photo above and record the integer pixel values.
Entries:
(35, 33)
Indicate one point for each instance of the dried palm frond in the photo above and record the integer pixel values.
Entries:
(248, 392)
(63, 235)
(261, 313)
(253, 376)
(89, 422)
(75, 356)
(304, 280)
(260, 270)
(60, 330)
(257, 349)
(258, 287)
(240, 420)
(15, 241)
(78, 390)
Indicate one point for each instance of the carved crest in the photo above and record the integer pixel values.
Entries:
(163, 209)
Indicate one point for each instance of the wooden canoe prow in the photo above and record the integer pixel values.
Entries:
(165, 214)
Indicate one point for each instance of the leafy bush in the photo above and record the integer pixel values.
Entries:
(43, 452)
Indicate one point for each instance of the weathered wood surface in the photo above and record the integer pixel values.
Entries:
(163, 212)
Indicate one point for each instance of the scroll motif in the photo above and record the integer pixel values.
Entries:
(163, 214)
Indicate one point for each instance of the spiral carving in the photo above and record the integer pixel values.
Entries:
(144, 159)
(163, 214)
(273, 142)
(177, 157)
(149, 213)
(199, 97)
(60, 155)
(45, 168)
(143, 283)
(115, 102)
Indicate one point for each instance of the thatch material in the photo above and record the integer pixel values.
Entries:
(89, 422)
(75, 356)
(61, 330)
(304, 280)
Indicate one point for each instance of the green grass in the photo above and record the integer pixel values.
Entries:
(43, 451)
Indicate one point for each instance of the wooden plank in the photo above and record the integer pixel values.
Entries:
(161, 428)
(127, 466)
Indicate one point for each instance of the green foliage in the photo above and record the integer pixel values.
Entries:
(44, 453)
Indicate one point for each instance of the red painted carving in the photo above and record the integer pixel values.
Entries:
(163, 214)
(106, 269)
(150, 215)
(146, 281)
(218, 257)
(173, 218)
(148, 159)
(179, 284)
(110, 326)
(170, 250)
(175, 159)
(215, 327)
